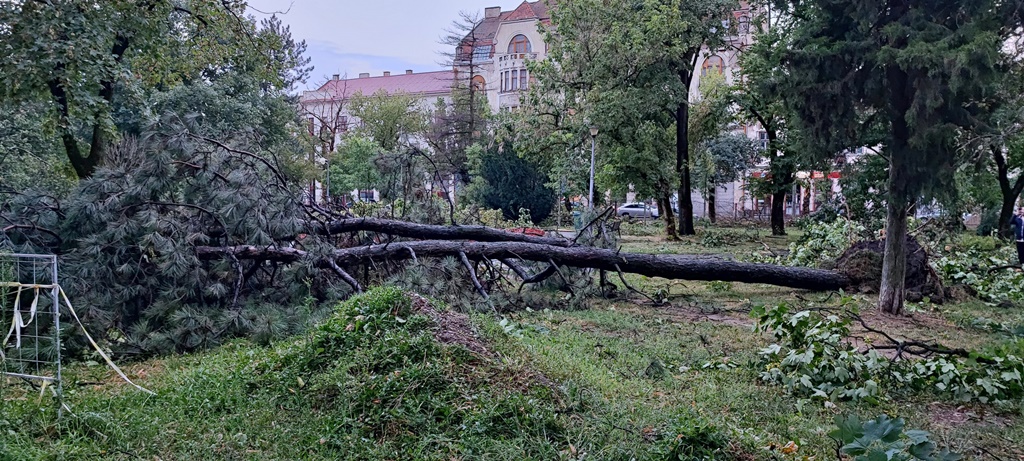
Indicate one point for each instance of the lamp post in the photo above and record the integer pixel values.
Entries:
(593, 143)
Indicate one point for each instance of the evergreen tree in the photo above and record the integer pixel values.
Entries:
(911, 69)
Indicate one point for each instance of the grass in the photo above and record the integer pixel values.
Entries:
(621, 380)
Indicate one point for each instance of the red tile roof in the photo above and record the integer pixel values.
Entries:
(421, 84)
(488, 27)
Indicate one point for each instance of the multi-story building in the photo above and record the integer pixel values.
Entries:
(494, 54)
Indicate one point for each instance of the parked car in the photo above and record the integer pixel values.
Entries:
(637, 210)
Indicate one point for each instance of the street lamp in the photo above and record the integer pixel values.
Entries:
(593, 143)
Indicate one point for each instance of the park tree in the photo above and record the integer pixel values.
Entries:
(80, 59)
(758, 97)
(461, 121)
(722, 160)
(512, 184)
(910, 69)
(603, 51)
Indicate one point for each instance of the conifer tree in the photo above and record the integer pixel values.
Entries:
(912, 69)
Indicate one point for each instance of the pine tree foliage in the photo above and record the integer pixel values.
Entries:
(912, 70)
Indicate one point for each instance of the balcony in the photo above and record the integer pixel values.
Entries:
(515, 60)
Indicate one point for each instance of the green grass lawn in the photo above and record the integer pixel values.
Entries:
(624, 379)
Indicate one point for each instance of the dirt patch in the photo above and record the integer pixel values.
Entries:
(944, 414)
(862, 263)
(452, 327)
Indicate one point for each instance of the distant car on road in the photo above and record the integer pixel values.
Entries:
(637, 210)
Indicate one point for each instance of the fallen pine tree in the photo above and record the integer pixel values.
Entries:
(480, 243)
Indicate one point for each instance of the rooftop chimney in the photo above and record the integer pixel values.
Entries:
(336, 76)
(492, 12)
(364, 75)
(408, 71)
(387, 73)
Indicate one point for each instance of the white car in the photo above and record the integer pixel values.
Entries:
(637, 210)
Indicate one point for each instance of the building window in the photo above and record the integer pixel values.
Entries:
(519, 44)
(712, 64)
(515, 80)
(479, 84)
(523, 79)
(312, 126)
(481, 53)
(744, 25)
(762, 137)
(508, 84)
(343, 124)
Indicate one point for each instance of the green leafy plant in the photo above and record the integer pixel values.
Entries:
(813, 358)
(883, 438)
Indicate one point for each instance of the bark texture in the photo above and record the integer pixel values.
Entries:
(679, 267)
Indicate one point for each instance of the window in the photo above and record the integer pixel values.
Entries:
(343, 124)
(519, 44)
(712, 64)
(508, 84)
(479, 84)
(522, 79)
(515, 80)
(744, 25)
(481, 53)
(762, 136)
(312, 126)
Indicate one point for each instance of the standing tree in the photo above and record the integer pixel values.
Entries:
(607, 53)
(81, 57)
(759, 99)
(720, 161)
(913, 68)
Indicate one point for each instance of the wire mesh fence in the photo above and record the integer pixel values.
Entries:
(29, 317)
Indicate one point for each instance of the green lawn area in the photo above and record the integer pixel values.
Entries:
(624, 379)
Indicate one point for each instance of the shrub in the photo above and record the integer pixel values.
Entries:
(511, 184)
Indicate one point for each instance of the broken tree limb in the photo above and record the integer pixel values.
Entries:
(679, 267)
(427, 231)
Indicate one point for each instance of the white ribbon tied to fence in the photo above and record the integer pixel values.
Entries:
(18, 323)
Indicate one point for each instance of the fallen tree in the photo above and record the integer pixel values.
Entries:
(507, 247)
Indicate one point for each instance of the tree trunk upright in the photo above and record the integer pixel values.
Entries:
(712, 213)
(1009, 193)
(779, 212)
(683, 166)
(894, 260)
(665, 204)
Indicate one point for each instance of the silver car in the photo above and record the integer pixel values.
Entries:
(637, 210)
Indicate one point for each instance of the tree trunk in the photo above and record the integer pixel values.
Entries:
(678, 267)
(427, 231)
(782, 173)
(779, 212)
(665, 203)
(894, 260)
(1009, 193)
(683, 166)
(712, 213)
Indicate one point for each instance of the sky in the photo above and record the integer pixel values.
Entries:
(349, 37)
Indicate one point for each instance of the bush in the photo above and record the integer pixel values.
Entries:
(511, 184)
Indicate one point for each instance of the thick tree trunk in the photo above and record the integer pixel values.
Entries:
(779, 213)
(782, 180)
(426, 231)
(683, 164)
(712, 213)
(894, 260)
(678, 267)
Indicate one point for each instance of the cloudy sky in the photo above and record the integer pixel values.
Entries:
(349, 37)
